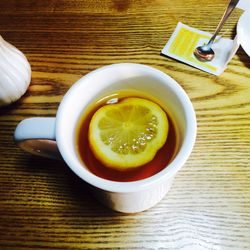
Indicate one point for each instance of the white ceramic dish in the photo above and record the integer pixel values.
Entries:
(243, 31)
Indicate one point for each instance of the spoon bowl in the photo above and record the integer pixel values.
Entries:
(204, 53)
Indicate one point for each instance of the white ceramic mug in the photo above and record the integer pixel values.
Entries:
(54, 137)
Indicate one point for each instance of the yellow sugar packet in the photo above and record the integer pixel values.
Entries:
(185, 39)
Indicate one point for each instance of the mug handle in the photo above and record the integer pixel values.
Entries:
(37, 136)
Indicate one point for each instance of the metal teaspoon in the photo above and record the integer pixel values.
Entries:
(205, 52)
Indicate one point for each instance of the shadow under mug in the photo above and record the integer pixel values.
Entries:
(54, 137)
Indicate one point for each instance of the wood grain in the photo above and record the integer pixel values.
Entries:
(44, 206)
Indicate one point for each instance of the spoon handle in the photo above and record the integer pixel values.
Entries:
(232, 4)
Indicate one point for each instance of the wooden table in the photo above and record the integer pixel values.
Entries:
(45, 206)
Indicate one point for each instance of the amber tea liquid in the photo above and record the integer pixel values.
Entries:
(162, 158)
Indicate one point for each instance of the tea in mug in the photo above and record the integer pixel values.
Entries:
(140, 164)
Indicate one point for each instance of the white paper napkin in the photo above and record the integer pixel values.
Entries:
(185, 39)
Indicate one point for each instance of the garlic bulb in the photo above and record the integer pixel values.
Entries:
(15, 73)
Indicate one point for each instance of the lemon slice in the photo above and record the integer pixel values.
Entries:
(128, 134)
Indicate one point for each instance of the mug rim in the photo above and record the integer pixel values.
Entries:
(133, 186)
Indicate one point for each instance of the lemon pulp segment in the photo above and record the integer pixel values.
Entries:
(128, 134)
